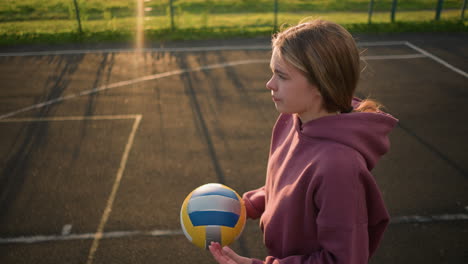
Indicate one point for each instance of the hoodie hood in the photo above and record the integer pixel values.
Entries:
(363, 131)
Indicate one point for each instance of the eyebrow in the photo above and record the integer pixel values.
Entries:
(275, 70)
(280, 72)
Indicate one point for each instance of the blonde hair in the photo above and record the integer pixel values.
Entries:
(328, 56)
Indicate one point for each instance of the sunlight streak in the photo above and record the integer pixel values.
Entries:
(140, 26)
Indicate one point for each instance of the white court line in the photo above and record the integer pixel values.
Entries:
(185, 49)
(428, 219)
(105, 216)
(172, 73)
(380, 43)
(99, 234)
(129, 82)
(69, 118)
(394, 57)
(156, 233)
(87, 236)
(110, 201)
(93, 51)
(439, 60)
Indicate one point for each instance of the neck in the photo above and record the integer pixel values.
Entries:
(306, 117)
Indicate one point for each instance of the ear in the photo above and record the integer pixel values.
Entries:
(318, 96)
(315, 91)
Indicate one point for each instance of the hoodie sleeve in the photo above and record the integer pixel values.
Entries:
(342, 217)
(254, 202)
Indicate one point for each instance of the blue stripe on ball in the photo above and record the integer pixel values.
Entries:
(215, 191)
(203, 218)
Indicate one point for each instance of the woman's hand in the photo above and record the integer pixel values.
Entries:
(226, 255)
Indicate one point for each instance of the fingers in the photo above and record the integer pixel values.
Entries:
(220, 254)
(230, 253)
(217, 253)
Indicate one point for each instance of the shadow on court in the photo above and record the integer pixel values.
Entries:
(100, 148)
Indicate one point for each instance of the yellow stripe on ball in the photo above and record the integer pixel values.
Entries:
(216, 216)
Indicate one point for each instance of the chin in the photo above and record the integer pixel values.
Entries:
(279, 109)
(284, 111)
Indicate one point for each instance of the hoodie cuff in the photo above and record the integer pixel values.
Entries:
(257, 261)
(252, 212)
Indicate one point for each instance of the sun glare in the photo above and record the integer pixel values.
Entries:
(140, 26)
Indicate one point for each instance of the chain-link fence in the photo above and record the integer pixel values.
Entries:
(56, 16)
(206, 13)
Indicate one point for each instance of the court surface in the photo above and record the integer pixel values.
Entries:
(100, 145)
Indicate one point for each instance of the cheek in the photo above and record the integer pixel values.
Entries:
(305, 96)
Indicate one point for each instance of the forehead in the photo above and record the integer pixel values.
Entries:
(276, 61)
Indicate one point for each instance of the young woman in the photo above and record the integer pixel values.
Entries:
(320, 203)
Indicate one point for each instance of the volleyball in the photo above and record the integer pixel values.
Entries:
(212, 213)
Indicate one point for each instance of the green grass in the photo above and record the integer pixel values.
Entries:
(214, 22)
(14, 10)
(252, 20)
(214, 33)
(256, 6)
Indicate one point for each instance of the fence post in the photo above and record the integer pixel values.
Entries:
(371, 9)
(463, 10)
(171, 9)
(275, 26)
(77, 11)
(440, 4)
(394, 7)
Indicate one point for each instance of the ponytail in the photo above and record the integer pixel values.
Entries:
(369, 105)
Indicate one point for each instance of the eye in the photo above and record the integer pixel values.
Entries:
(281, 77)
(280, 74)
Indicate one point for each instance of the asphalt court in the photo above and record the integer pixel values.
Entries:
(135, 133)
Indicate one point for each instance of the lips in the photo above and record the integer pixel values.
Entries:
(275, 99)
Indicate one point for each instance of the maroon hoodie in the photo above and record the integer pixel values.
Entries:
(320, 203)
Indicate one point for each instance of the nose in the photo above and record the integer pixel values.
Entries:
(270, 85)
